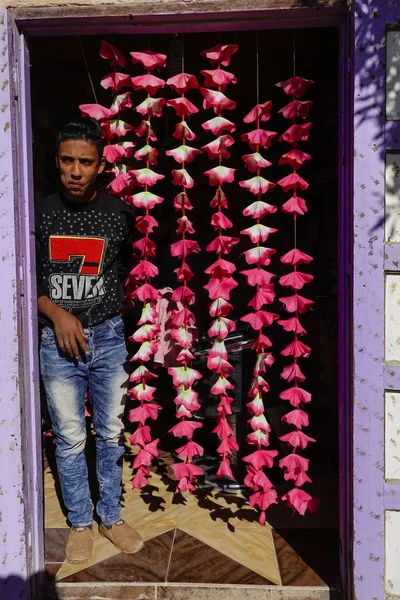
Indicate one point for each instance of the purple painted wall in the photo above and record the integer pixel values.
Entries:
(372, 136)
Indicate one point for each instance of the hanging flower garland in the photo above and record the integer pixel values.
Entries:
(148, 332)
(221, 281)
(295, 466)
(264, 493)
(183, 320)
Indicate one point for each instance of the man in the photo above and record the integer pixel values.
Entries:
(84, 239)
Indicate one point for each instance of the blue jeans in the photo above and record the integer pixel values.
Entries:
(104, 371)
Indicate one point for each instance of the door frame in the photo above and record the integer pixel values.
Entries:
(43, 22)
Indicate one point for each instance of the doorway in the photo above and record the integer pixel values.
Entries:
(304, 551)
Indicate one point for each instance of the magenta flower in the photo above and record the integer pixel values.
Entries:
(219, 365)
(219, 175)
(264, 295)
(143, 412)
(140, 478)
(300, 501)
(218, 147)
(116, 81)
(184, 248)
(113, 152)
(181, 177)
(293, 182)
(257, 276)
(260, 111)
(183, 317)
(122, 183)
(184, 225)
(146, 200)
(259, 137)
(255, 161)
(295, 257)
(145, 246)
(96, 111)
(263, 499)
(296, 396)
(296, 108)
(296, 417)
(216, 100)
(259, 255)
(297, 439)
(220, 308)
(295, 158)
(295, 279)
(151, 107)
(218, 78)
(184, 357)
(121, 102)
(221, 268)
(183, 294)
(183, 106)
(258, 232)
(149, 59)
(141, 373)
(183, 273)
(117, 128)
(149, 314)
(183, 154)
(224, 469)
(296, 133)
(223, 244)
(146, 455)
(218, 125)
(183, 82)
(259, 318)
(146, 223)
(146, 333)
(146, 292)
(183, 376)
(259, 209)
(183, 132)
(221, 386)
(296, 303)
(291, 372)
(147, 82)
(257, 185)
(220, 288)
(112, 53)
(227, 446)
(189, 451)
(261, 343)
(295, 85)
(261, 458)
(144, 270)
(295, 205)
(141, 436)
(292, 324)
(223, 429)
(184, 429)
(221, 327)
(146, 351)
(146, 176)
(145, 130)
(187, 470)
(293, 463)
(220, 221)
(220, 54)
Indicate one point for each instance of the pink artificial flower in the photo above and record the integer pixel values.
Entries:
(295, 205)
(144, 270)
(96, 111)
(183, 273)
(142, 373)
(220, 221)
(149, 314)
(187, 470)
(219, 200)
(293, 464)
(183, 132)
(218, 78)
(259, 255)
(263, 360)
(185, 356)
(182, 177)
(292, 324)
(295, 85)
(227, 446)
(220, 174)
(221, 327)
(296, 303)
(296, 396)
(256, 407)
(140, 478)
(146, 332)
(263, 499)
(259, 422)
(149, 59)
(221, 268)
(219, 365)
(141, 436)
(121, 102)
(296, 109)
(220, 308)
(146, 351)
(264, 295)
(143, 412)
(259, 137)
(187, 397)
(183, 376)
(183, 82)
(183, 153)
(296, 133)
(183, 294)
(255, 161)
(295, 158)
(258, 385)
(259, 319)
(257, 276)
(218, 349)
(116, 81)
(146, 292)
(296, 417)
(122, 183)
(224, 469)
(261, 458)
(295, 257)
(184, 225)
(218, 148)
(300, 501)
(220, 54)
(145, 223)
(258, 438)
(222, 244)
(223, 429)
(145, 130)
(151, 107)
(181, 201)
(293, 182)
(183, 336)
(296, 279)
(297, 438)
(184, 429)
(118, 128)
(218, 125)
(183, 106)
(146, 176)
(216, 100)
(291, 372)
(258, 232)
(183, 317)
(147, 82)
(189, 451)
(112, 53)
(258, 209)
(262, 342)
(183, 248)
(113, 152)
(146, 200)
(257, 185)
(260, 111)
(146, 247)
(221, 386)
(220, 288)
(146, 454)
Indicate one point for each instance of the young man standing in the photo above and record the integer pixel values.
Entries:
(84, 240)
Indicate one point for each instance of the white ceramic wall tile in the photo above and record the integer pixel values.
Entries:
(392, 436)
(392, 552)
(392, 198)
(392, 318)
(393, 76)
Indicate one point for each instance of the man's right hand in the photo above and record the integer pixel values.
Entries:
(67, 328)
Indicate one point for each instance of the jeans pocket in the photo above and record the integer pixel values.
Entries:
(47, 337)
(117, 326)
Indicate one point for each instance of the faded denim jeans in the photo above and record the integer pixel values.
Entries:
(104, 371)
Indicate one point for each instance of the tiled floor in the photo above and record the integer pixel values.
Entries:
(199, 539)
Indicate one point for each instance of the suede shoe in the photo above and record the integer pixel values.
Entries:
(122, 536)
(80, 545)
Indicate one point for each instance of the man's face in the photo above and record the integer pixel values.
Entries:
(79, 165)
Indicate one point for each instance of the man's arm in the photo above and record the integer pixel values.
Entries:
(68, 329)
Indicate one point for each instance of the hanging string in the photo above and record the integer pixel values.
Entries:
(87, 70)
(258, 72)
(183, 52)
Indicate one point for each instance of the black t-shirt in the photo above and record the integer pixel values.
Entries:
(83, 254)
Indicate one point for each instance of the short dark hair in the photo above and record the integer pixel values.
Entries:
(82, 129)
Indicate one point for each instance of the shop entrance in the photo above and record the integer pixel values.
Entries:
(213, 537)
